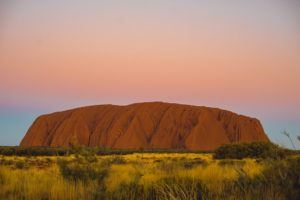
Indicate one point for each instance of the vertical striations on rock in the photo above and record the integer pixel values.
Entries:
(154, 125)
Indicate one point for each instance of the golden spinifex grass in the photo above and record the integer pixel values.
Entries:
(139, 176)
(38, 184)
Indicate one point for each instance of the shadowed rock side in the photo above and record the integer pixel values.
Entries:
(144, 125)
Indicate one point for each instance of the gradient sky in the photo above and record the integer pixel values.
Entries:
(242, 56)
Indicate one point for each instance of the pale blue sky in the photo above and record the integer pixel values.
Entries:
(237, 55)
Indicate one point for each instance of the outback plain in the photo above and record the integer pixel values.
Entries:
(252, 171)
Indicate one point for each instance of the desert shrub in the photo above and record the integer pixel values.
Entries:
(63, 151)
(7, 151)
(231, 162)
(34, 151)
(24, 163)
(285, 177)
(41, 163)
(248, 189)
(250, 150)
(279, 180)
(118, 160)
(82, 169)
(79, 171)
(86, 156)
(4, 161)
(21, 164)
(190, 163)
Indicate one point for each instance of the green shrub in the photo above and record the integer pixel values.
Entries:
(250, 150)
(82, 169)
(84, 172)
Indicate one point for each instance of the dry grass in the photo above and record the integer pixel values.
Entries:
(131, 175)
(38, 184)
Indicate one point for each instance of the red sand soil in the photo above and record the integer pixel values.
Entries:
(144, 125)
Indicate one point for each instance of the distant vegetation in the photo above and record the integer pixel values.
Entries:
(64, 151)
(230, 151)
(85, 173)
(252, 150)
(34, 151)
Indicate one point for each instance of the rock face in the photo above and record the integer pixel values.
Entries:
(144, 125)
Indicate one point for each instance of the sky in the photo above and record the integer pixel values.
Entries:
(242, 56)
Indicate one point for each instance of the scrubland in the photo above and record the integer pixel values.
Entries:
(148, 176)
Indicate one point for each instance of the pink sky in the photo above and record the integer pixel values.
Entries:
(229, 55)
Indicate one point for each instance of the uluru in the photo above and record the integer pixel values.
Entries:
(152, 125)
